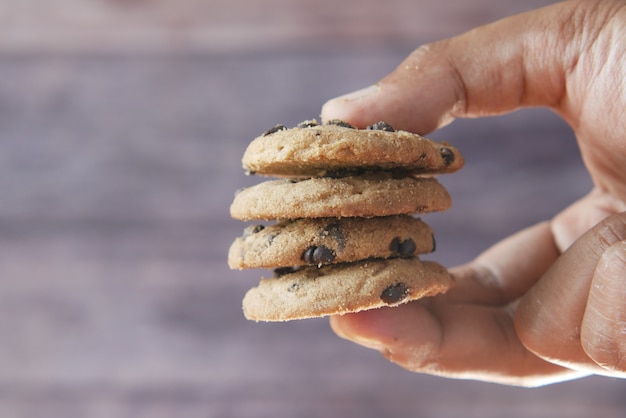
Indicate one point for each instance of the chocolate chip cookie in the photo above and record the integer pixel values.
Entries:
(344, 237)
(338, 289)
(324, 241)
(337, 149)
(368, 195)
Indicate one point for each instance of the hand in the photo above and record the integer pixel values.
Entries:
(549, 303)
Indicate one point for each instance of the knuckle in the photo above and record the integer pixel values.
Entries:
(612, 230)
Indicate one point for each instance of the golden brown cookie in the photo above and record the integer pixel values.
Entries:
(369, 195)
(343, 288)
(312, 150)
(324, 241)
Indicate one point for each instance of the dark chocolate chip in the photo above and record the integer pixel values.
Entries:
(381, 126)
(407, 248)
(323, 254)
(395, 293)
(274, 130)
(394, 247)
(434, 244)
(318, 255)
(404, 248)
(447, 155)
(307, 255)
(308, 124)
(339, 122)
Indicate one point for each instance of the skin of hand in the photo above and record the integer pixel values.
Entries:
(547, 304)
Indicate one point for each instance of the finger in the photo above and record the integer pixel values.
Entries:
(582, 215)
(490, 70)
(603, 330)
(469, 332)
(550, 316)
(507, 270)
(450, 340)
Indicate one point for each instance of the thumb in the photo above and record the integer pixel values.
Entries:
(575, 314)
(490, 70)
(604, 325)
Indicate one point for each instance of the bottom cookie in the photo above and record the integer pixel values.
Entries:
(338, 289)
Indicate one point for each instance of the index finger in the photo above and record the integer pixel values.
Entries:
(490, 70)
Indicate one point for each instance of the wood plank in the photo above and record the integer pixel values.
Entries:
(142, 26)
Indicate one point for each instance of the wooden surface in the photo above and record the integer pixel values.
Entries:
(123, 124)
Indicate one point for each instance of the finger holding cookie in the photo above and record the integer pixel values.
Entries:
(570, 323)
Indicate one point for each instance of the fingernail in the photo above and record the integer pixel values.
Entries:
(339, 107)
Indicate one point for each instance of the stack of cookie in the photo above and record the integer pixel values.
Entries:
(343, 236)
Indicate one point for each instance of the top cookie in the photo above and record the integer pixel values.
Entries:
(337, 149)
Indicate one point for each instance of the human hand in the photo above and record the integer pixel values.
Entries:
(549, 303)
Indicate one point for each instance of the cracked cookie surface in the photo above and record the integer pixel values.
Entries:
(370, 195)
(312, 150)
(344, 288)
(329, 241)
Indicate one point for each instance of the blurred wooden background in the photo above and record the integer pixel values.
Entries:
(123, 123)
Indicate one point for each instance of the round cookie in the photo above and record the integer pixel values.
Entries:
(342, 288)
(324, 241)
(312, 150)
(369, 195)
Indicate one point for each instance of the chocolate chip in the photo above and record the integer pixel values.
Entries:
(407, 248)
(307, 255)
(395, 293)
(394, 247)
(308, 124)
(381, 126)
(447, 155)
(318, 255)
(323, 254)
(401, 248)
(274, 130)
(253, 229)
(339, 122)
(294, 287)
